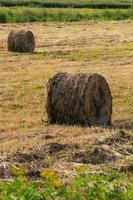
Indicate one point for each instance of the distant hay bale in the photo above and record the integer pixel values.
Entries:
(79, 99)
(22, 41)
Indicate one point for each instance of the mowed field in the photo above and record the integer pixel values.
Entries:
(89, 47)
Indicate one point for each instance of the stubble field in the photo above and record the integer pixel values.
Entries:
(25, 137)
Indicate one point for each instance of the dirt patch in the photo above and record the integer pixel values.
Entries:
(124, 124)
(96, 155)
(28, 157)
(54, 148)
(2, 172)
(48, 137)
(120, 138)
(37, 160)
(127, 168)
(34, 162)
(108, 150)
(33, 174)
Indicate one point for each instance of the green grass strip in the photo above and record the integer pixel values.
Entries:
(99, 4)
(22, 14)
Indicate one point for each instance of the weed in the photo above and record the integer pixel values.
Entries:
(84, 186)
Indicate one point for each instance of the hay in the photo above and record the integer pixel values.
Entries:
(22, 41)
(79, 99)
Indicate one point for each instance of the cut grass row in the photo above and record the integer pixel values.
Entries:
(22, 14)
(69, 3)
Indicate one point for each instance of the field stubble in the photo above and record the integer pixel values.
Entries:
(25, 138)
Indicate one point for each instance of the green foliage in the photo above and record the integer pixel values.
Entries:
(70, 3)
(84, 186)
(19, 189)
(3, 17)
(22, 14)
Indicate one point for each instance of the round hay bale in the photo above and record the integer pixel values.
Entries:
(79, 99)
(22, 41)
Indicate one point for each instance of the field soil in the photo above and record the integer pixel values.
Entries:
(25, 137)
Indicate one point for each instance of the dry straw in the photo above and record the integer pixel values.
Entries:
(22, 41)
(79, 99)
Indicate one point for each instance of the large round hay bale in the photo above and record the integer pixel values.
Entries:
(79, 99)
(22, 41)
